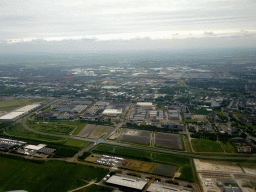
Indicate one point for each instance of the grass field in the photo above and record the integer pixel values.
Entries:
(201, 111)
(141, 166)
(99, 131)
(96, 188)
(50, 176)
(186, 173)
(142, 154)
(20, 131)
(201, 145)
(56, 127)
(228, 147)
(77, 143)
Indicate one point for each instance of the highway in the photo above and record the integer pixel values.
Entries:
(103, 141)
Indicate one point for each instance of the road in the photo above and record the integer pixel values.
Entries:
(103, 141)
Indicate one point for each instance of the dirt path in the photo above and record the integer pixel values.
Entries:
(91, 182)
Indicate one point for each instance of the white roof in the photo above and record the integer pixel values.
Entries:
(112, 111)
(28, 108)
(145, 103)
(163, 188)
(127, 182)
(11, 115)
(34, 147)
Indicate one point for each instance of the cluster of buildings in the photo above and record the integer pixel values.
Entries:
(22, 147)
(137, 184)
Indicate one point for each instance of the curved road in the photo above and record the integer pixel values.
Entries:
(101, 140)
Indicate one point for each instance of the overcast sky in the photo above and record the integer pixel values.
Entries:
(211, 22)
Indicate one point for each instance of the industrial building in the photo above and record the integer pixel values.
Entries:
(155, 187)
(126, 182)
(14, 115)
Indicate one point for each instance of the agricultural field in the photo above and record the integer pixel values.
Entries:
(77, 143)
(56, 127)
(99, 131)
(137, 136)
(19, 131)
(49, 176)
(202, 145)
(86, 130)
(141, 166)
(168, 140)
(164, 170)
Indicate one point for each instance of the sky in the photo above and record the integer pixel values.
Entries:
(78, 25)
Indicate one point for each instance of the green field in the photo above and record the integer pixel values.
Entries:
(96, 188)
(141, 154)
(77, 143)
(56, 127)
(201, 145)
(228, 147)
(201, 111)
(20, 131)
(17, 174)
(186, 173)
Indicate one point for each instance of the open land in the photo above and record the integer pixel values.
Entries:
(202, 145)
(47, 176)
(86, 130)
(137, 136)
(77, 143)
(141, 166)
(168, 140)
(165, 170)
(55, 127)
(99, 131)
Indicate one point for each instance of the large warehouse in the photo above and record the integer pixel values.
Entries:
(136, 185)
(14, 115)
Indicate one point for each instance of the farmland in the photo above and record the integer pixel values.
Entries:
(201, 145)
(137, 136)
(47, 176)
(168, 140)
(99, 131)
(86, 130)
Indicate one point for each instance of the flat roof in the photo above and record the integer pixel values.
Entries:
(35, 147)
(112, 111)
(12, 115)
(126, 182)
(27, 108)
(164, 188)
(145, 103)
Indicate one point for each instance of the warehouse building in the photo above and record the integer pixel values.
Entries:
(14, 115)
(126, 182)
(154, 187)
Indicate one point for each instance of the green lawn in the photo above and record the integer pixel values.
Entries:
(13, 104)
(228, 147)
(201, 145)
(50, 176)
(201, 111)
(77, 143)
(237, 114)
(56, 127)
(20, 131)
(186, 173)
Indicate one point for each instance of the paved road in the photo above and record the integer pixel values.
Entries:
(103, 141)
